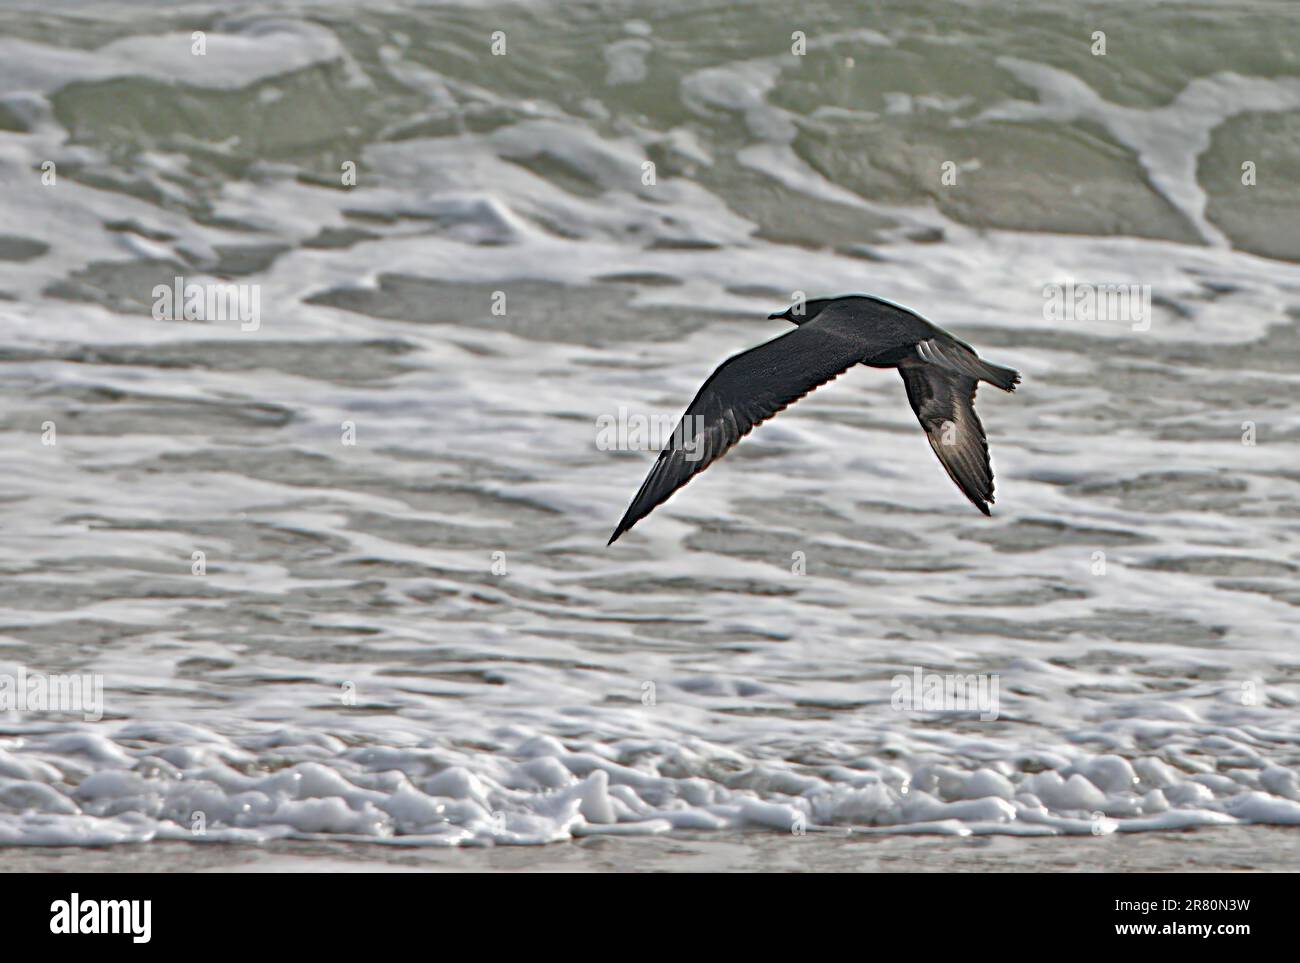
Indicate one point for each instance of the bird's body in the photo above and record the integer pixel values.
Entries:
(939, 372)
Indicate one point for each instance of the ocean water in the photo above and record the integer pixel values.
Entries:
(338, 562)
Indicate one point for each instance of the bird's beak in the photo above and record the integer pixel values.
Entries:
(775, 315)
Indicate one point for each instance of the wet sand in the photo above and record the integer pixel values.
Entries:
(1226, 849)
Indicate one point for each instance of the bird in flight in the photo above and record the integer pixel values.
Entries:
(940, 373)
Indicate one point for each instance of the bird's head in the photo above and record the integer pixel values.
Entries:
(801, 311)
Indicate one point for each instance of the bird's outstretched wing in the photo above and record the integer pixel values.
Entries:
(745, 391)
(941, 379)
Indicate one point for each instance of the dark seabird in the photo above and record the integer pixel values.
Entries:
(939, 371)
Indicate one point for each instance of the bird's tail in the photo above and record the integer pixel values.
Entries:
(956, 355)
